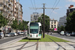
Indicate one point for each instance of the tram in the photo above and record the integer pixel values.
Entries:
(34, 30)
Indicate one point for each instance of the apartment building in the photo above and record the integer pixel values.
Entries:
(53, 23)
(11, 9)
(35, 16)
(62, 21)
(6, 8)
(70, 9)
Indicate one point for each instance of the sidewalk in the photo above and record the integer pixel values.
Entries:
(15, 45)
(41, 46)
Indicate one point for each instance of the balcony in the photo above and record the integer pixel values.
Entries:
(9, 3)
(1, 1)
(5, 10)
(16, 14)
(19, 17)
(10, 7)
(9, 12)
(1, 8)
(14, 10)
(5, 4)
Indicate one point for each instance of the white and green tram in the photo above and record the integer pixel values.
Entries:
(34, 30)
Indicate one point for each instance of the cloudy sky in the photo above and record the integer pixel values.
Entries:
(56, 14)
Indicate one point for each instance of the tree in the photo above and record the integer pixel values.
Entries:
(61, 28)
(3, 21)
(15, 24)
(21, 26)
(70, 25)
(47, 22)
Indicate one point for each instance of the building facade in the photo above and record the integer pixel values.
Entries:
(10, 10)
(62, 21)
(70, 9)
(35, 16)
(53, 24)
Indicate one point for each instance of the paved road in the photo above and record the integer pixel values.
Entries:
(6, 39)
(67, 37)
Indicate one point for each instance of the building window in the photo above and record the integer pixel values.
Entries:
(51, 22)
(54, 22)
(0, 5)
(54, 26)
(71, 10)
(51, 26)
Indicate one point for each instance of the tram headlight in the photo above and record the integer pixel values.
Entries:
(36, 35)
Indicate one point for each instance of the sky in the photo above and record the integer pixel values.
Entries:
(56, 14)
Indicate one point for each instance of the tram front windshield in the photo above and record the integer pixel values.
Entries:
(34, 31)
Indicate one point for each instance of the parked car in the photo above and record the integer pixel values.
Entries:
(21, 33)
(68, 34)
(62, 33)
(1, 35)
(15, 34)
(9, 34)
(12, 34)
(73, 34)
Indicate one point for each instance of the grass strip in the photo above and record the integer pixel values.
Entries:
(46, 39)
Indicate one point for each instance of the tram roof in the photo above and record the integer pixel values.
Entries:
(34, 22)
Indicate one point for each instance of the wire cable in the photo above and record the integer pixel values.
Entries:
(55, 7)
(35, 5)
(32, 3)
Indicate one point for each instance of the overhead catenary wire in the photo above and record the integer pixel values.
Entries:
(55, 7)
(54, 3)
(32, 3)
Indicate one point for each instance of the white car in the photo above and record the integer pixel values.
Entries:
(15, 34)
(62, 33)
(21, 33)
(1, 35)
(73, 34)
(68, 34)
(8, 34)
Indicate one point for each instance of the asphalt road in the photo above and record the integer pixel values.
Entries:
(6, 39)
(67, 37)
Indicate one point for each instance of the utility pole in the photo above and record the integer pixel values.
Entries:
(44, 17)
(43, 20)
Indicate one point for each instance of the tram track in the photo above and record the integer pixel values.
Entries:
(57, 44)
(29, 46)
(37, 45)
(70, 45)
(24, 45)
